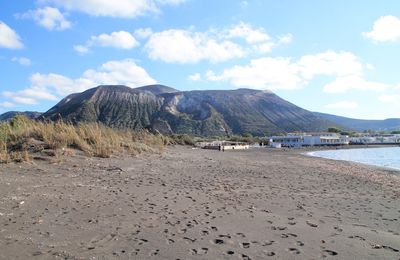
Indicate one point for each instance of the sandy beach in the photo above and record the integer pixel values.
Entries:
(199, 204)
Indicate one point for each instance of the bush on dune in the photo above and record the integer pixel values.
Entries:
(22, 136)
(182, 139)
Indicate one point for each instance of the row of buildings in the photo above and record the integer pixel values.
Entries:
(306, 139)
(223, 145)
(329, 139)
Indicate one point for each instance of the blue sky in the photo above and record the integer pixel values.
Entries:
(339, 57)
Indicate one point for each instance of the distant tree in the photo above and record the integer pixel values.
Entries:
(247, 135)
(352, 134)
(334, 130)
(369, 131)
(396, 132)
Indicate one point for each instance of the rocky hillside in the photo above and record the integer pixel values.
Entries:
(115, 106)
(9, 115)
(390, 124)
(206, 113)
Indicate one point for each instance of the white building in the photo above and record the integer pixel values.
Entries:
(223, 145)
(309, 139)
(376, 139)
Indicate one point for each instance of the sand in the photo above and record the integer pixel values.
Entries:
(199, 204)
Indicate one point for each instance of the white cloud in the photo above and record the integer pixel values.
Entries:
(30, 96)
(118, 40)
(124, 72)
(285, 39)
(143, 33)
(215, 45)
(258, 40)
(344, 84)
(395, 98)
(58, 85)
(195, 77)
(54, 86)
(19, 98)
(369, 66)
(9, 38)
(81, 49)
(22, 60)
(120, 8)
(264, 47)
(7, 104)
(183, 46)
(284, 73)
(248, 33)
(330, 63)
(263, 73)
(385, 29)
(343, 105)
(48, 17)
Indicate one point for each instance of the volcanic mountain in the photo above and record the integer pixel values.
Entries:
(390, 124)
(205, 113)
(9, 115)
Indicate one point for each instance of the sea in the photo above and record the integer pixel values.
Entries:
(388, 157)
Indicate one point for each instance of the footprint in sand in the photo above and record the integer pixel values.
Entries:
(311, 224)
(37, 253)
(288, 235)
(245, 245)
(390, 248)
(357, 237)
(338, 229)
(241, 235)
(218, 241)
(330, 252)
(201, 251)
(278, 228)
(205, 232)
(189, 240)
(268, 243)
(182, 231)
(155, 252)
(294, 250)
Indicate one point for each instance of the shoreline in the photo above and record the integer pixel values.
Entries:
(199, 204)
(395, 170)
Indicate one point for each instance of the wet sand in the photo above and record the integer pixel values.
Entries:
(199, 204)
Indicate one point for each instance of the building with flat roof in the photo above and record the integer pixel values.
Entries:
(309, 139)
(223, 145)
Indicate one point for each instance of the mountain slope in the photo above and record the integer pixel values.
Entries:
(361, 125)
(213, 112)
(9, 115)
(157, 89)
(236, 111)
(115, 106)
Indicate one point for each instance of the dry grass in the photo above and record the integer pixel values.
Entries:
(21, 137)
(182, 139)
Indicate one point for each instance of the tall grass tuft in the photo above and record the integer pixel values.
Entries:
(22, 136)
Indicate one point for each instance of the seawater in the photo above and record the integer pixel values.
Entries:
(388, 157)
